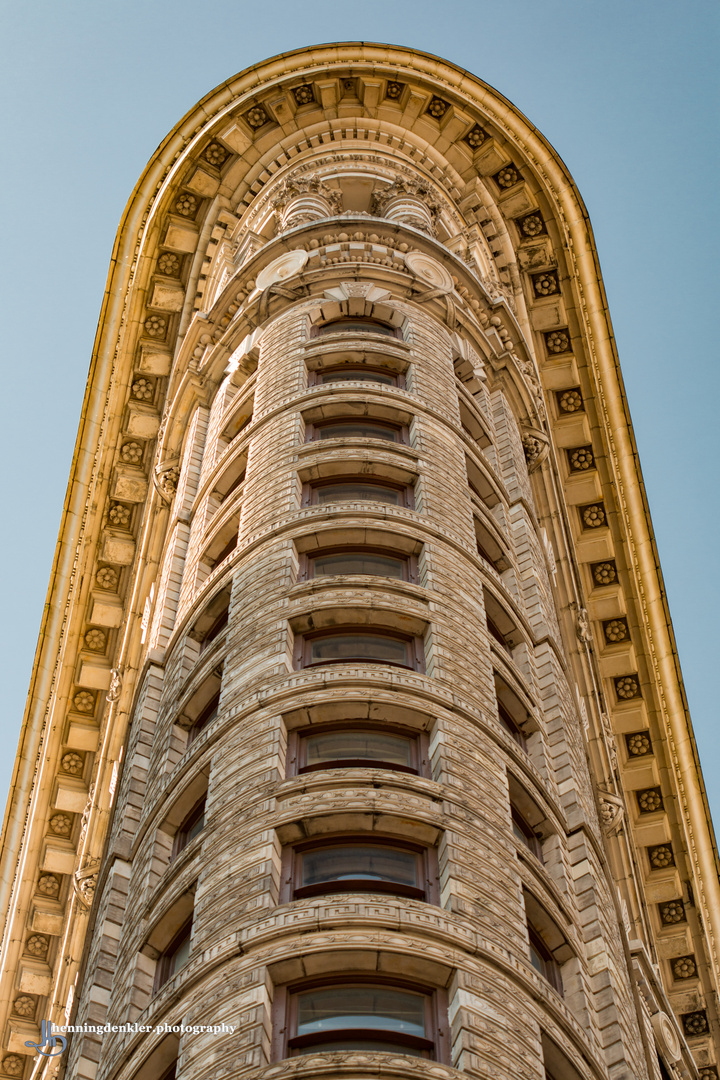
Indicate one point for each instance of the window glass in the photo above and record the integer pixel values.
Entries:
(351, 491)
(361, 1007)
(180, 954)
(355, 374)
(358, 326)
(360, 1044)
(359, 562)
(358, 429)
(358, 746)
(359, 862)
(359, 647)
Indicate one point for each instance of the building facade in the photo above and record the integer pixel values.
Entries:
(357, 730)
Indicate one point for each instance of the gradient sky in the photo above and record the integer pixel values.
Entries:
(625, 90)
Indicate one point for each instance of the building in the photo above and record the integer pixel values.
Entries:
(357, 725)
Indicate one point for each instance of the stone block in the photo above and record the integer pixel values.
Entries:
(19, 1032)
(559, 374)
(46, 922)
(142, 422)
(490, 158)
(82, 737)
(129, 486)
(548, 315)
(154, 362)
(203, 183)
(583, 488)
(117, 550)
(571, 431)
(35, 979)
(94, 675)
(617, 660)
(57, 859)
(591, 547)
(70, 795)
(518, 202)
(106, 611)
(608, 604)
(167, 297)
(181, 238)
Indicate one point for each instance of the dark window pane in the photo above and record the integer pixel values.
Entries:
(358, 429)
(365, 1007)
(356, 374)
(359, 861)
(359, 647)
(357, 326)
(358, 746)
(351, 492)
(538, 961)
(358, 562)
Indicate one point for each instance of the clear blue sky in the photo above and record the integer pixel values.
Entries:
(627, 92)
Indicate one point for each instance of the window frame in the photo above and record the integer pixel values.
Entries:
(397, 378)
(311, 488)
(528, 837)
(182, 836)
(510, 725)
(307, 560)
(204, 718)
(426, 863)
(415, 652)
(164, 970)
(550, 968)
(285, 1043)
(297, 749)
(313, 429)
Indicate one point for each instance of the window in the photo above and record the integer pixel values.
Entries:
(213, 619)
(342, 646)
(362, 428)
(500, 625)
(359, 864)
(543, 960)
(191, 827)
(363, 1014)
(205, 718)
(357, 747)
(356, 489)
(175, 956)
(510, 726)
(224, 551)
(525, 834)
(357, 326)
(355, 373)
(375, 562)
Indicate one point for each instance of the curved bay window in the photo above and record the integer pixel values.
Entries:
(362, 1014)
(356, 326)
(359, 864)
(360, 644)
(357, 747)
(361, 428)
(374, 562)
(358, 489)
(355, 373)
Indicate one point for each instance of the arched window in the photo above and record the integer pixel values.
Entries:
(358, 489)
(357, 326)
(357, 746)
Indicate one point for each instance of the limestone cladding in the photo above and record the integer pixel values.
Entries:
(374, 692)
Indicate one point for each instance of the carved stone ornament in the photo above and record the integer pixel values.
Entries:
(531, 380)
(25, 1005)
(610, 740)
(165, 478)
(13, 1065)
(282, 269)
(666, 1036)
(304, 198)
(535, 447)
(115, 686)
(582, 625)
(409, 202)
(85, 881)
(612, 813)
(429, 270)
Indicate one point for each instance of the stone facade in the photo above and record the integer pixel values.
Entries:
(363, 689)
